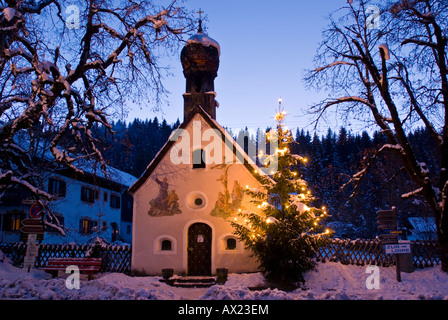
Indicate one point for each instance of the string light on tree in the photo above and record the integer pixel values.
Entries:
(286, 230)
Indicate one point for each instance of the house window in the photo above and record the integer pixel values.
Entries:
(114, 226)
(15, 222)
(105, 196)
(89, 195)
(114, 201)
(199, 159)
(57, 187)
(230, 244)
(166, 245)
(11, 220)
(85, 226)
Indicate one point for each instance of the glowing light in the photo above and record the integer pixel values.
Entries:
(327, 231)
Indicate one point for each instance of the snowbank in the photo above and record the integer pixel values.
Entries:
(331, 281)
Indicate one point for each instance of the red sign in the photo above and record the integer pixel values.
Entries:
(36, 211)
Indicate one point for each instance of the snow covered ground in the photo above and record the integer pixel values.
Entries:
(331, 281)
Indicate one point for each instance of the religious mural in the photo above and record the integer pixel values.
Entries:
(228, 203)
(167, 201)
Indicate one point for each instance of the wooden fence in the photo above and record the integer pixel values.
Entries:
(117, 258)
(371, 252)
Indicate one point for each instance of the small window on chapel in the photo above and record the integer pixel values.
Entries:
(199, 159)
(231, 244)
(166, 245)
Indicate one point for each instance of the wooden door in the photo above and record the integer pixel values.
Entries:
(199, 250)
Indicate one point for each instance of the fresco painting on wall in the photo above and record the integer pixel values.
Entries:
(228, 203)
(167, 201)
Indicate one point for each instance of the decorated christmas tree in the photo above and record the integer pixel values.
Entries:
(286, 235)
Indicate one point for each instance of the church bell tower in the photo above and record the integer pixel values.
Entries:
(200, 62)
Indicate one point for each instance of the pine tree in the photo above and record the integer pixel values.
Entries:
(285, 237)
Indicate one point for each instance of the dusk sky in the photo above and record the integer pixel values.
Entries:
(265, 47)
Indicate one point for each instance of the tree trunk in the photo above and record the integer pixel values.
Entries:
(442, 219)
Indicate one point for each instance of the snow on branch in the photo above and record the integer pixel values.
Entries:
(412, 193)
(336, 63)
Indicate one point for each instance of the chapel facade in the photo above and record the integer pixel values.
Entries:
(186, 199)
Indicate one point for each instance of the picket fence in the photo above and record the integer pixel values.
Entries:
(117, 258)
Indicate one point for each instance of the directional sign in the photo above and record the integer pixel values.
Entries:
(388, 238)
(33, 229)
(387, 226)
(400, 248)
(387, 214)
(32, 226)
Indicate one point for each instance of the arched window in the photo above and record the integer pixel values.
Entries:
(166, 245)
(198, 159)
(230, 244)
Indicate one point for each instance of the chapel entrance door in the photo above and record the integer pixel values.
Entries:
(199, 250)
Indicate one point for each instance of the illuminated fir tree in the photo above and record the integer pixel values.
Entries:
(285, 237)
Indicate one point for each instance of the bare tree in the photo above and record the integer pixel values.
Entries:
(64, 69)
(387, 63)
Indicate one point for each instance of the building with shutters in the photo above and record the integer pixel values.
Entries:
(86, 206)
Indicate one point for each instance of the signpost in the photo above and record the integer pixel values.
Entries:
(387, 221)
(32, 250)
(34, 226)
(400, 248)
(32, 230)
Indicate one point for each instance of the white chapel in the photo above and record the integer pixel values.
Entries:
(192, 190)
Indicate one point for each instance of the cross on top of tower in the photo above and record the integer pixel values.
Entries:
(200, 12)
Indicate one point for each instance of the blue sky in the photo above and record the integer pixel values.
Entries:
(265, 47)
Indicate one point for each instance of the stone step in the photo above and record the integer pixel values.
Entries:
(191, 282)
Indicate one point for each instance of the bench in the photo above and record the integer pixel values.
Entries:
(88, 266)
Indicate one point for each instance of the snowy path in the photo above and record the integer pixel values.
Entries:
(333, 281)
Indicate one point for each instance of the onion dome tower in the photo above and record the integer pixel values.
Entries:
(200, 62)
